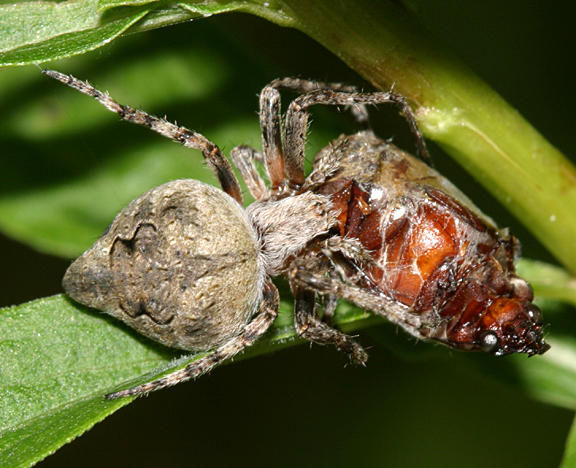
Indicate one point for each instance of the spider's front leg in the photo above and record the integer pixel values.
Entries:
(252, 332)
(214, 157)
(299, 85)
(297, 117)
(272, 140)
(287, 166)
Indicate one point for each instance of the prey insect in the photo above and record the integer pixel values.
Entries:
(186, 265)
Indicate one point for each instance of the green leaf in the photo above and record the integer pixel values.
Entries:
(569, 460)
(548, 281)
(58, 360)
(55, 362)
(40, 31)
(36, 32)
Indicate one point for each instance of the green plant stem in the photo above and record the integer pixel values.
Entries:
(548, 281)
(455, 109)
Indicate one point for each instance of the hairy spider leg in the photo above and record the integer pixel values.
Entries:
(297, 117)
(272, 137)
(216, 161)
(282, 167)
(243, 157)
(359, 110)
(252, 332)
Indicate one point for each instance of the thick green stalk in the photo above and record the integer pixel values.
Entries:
(455, 109)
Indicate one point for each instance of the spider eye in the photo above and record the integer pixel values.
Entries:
(489, 342)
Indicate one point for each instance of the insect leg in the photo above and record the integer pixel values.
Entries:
(254, 330)
(243, 158)
(377, 303)
(311, 328)
(330, 304)
(216, 161)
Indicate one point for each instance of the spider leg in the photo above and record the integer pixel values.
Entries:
(280, 166)
(358, 110)
(243, 158)
(216, 161)
(311, 328)
(253, 330)
(272, 138)
(298, 114)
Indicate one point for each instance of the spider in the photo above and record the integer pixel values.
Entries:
(186, 265)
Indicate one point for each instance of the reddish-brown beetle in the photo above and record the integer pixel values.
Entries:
(448, 271)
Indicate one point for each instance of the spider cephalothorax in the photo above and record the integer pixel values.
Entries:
(186, 265)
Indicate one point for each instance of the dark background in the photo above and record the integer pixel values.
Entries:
(302, 406)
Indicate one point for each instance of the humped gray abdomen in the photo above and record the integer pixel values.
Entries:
(179, 264)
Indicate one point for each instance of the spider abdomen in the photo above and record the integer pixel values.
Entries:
(179, 264)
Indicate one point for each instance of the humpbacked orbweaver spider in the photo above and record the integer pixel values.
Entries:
(186, 265)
